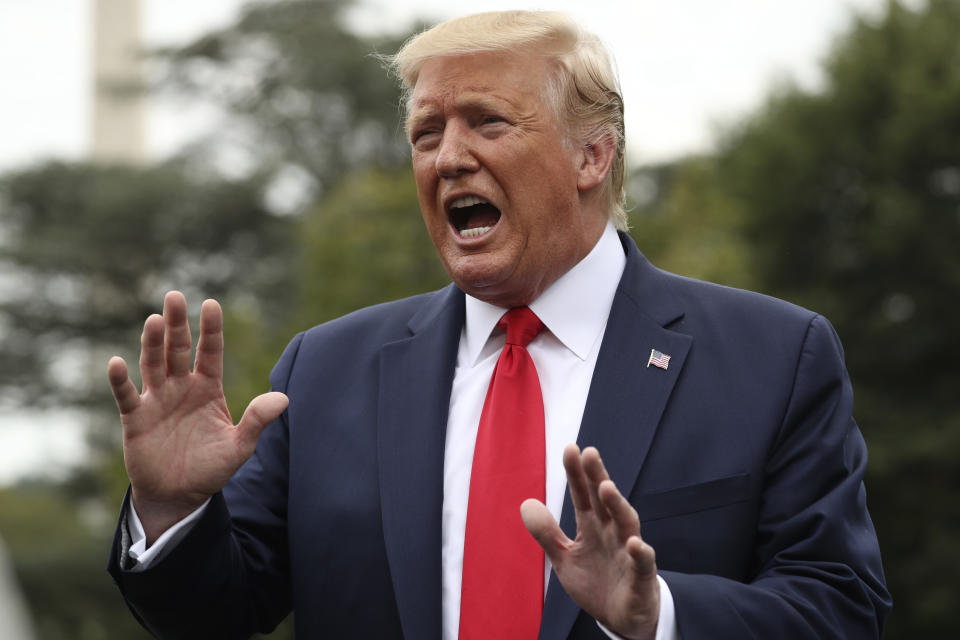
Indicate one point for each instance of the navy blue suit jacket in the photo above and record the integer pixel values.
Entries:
(742, 459)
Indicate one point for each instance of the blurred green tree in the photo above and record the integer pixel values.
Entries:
(363, 244)
(303, 94)
(846, 199)
(87, 250)
(683, 220)
(56, 542)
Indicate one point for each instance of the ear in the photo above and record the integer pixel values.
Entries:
(595, 162)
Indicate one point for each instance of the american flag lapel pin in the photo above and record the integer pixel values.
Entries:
(658, 359)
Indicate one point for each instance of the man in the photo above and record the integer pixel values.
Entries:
(724, 417)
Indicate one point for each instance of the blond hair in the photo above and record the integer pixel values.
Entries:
(584, 91)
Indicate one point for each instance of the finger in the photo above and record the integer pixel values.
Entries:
(540, 523)
(153, 368)
(177, 341)
(261, 411)
(576, 478)
(124, 392)
(624, 516)
(644, 559)
(643, 573)
(596, 473)
(210, 345)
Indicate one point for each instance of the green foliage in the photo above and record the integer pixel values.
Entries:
(303, 90)
(852, 198)
(58, 546)
(684, 222)
(94, 247)
(362, 245)
(847, 201)
(366, 244)
(87, 251)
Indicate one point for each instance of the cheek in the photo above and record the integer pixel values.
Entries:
(551, 169)
(424, 168)
(426, 190)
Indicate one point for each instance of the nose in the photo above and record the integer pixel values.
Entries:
(455, 155)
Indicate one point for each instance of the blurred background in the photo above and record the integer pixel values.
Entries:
(251, 152)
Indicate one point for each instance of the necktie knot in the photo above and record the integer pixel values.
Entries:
(522, 326)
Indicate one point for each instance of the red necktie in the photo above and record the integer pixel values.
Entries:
(502, 590)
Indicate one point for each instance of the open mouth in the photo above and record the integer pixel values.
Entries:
(472, 216)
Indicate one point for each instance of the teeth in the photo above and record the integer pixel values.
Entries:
(473, 233)
(467, 201)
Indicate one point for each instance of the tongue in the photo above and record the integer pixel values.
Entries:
(482, 215)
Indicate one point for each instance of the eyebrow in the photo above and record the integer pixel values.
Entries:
(470, 99)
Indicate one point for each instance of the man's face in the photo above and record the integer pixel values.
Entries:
(496, 178)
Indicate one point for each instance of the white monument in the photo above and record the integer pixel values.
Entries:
(119, 119)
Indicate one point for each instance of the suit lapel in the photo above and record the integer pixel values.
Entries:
(416, 375)
(627, 397)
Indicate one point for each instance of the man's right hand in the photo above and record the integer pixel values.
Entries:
(180, 445)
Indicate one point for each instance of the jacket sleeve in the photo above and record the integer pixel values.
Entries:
(820, 574)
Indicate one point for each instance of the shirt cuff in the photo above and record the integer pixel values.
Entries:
(667, 622)
(138, 556)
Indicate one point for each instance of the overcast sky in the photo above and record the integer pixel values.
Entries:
(685, 65)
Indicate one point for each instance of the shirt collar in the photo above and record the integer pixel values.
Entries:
(574, 308)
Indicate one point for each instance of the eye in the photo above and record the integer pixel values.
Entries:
(491, 125)
(424, 138)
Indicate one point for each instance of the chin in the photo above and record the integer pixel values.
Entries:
(498, 293)
(475, 272)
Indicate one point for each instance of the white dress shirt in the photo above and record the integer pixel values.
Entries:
(575, 310)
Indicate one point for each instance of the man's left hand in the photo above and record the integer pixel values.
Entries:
(608, 570)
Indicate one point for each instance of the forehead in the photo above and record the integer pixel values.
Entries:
(512, 78)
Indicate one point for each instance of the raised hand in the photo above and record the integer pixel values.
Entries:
(608, 570)
(180, 445)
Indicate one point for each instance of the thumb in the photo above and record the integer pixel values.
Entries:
(541, 525)
(261, 411)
